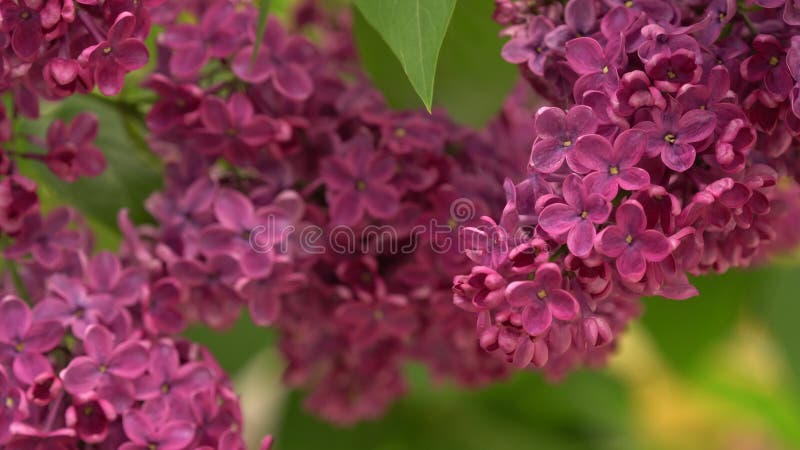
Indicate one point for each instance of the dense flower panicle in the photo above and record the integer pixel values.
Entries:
(293, 165)
(683, 161)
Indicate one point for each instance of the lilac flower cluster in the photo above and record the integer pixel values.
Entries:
(672, 150)
(294, 137)
(91, 362)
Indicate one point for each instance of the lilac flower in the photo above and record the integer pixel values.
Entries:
(285, 60)
(613, 166)
(666, 40)
(670, 72)
(557, 133)
(71, 152)
(768, 64)
(580, 19)
(192, 45)
(161, 308)
(358, 182)
(177, 104)
(528, 46)
(23, 339)
(597, 66)
(104, 363)
(166, 377)
(635, 91)
(263, 295)
(105, 275)
(146, 434)
(542, 300)
(720, 13)
(482, 289)
(577, 217)
(19, 204)
(71, 304)
(631, 244)
(12, 406)
(91, 419)
(675, 135)
(118, 55)
(211, 287)
(24, 21)
(234, 130)
(45, 239)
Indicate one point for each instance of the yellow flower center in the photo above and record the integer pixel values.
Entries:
(566, 143)
(605, 69)
(629, 239)
(613, 170)
(671, 75)
(584, 214)
(774, 61)
(669, 137)
(541, 294)
(361, 185)
(400, 132)
(629, 4)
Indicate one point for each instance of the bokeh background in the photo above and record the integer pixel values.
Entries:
(719, 371)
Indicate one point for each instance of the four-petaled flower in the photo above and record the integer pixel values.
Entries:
(542, 299)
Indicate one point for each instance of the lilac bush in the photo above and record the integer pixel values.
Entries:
(683, 162)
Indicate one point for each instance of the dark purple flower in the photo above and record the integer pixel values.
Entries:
(577, 217)
(613, 166)
(768, 64)
(117, 55)
(557, 133)
(596, 65)
(580, 19)
(284, 60)
(358, 181)
(177, 104)
(18, 204)
(234, 130)
(528, 45)
(161, 308)
(215, 36)
(45, 239)
(104, 363)
(542, 299)
(674, 134)
(71, 152)
(671, 71)
(25, 22)
(631, 244)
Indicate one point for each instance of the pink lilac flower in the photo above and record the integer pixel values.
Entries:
(631, 244)
(613, 167)
(675, 135)
(542, 300)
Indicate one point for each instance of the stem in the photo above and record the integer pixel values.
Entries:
(750, 25)
(51, 415)
(91, 26)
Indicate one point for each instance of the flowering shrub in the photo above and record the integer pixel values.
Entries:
(673, 156)
(365, 234)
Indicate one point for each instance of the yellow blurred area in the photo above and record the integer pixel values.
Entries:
(705, 411)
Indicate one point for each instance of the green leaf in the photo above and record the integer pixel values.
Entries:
(414, 30)
(263, 15)
(235, 346)
(686, 330)
(131, 176)
(472, 81)
(779, 308)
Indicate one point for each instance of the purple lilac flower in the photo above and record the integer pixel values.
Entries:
(23, 339)
(768, 64)
(529, 46)
(674, 134)
(358, 178)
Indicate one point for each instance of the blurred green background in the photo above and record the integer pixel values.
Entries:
(719, 371)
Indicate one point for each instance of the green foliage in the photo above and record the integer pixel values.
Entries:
(685, 331)
(235, 346)
(587, 411)
(414, 30)
(131, 176)
(263, 14)
(472, 81)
